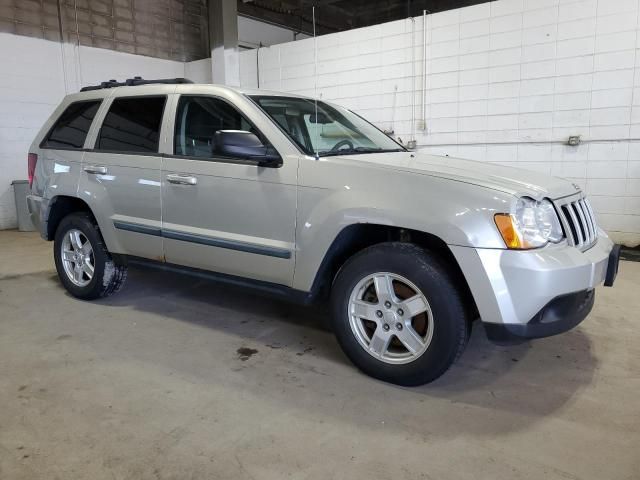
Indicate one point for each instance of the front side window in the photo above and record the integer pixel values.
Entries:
(323, 129)
(197, 121)
(70, 130)
(132, 125)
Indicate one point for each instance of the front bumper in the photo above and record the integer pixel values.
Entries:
(536, 293)
(559, 315)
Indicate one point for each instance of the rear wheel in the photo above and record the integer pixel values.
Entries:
(398, 314)
(83, 262)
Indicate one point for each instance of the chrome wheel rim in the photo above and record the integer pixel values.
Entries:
(391, 318)
(77, 257)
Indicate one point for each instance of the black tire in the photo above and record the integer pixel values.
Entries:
(108, 277)
(428, 273)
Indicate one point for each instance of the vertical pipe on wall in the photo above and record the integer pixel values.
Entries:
(424, 70)
(78, 59)
(393, 109)
(258, 65)
(412, 142)
(62, 52)
(279, 68)
(315, 77)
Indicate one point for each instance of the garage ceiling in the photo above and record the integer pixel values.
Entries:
(338, 15)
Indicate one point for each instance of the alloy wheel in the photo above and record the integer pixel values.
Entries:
(77, 257)
(390, 317)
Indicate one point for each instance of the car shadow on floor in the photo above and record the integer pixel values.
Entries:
(533, 378)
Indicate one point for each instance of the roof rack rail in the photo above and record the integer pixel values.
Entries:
(135, 81)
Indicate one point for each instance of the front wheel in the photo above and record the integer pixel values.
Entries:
(398, 314)
(83, 262)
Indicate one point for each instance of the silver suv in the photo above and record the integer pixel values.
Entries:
(307, 200)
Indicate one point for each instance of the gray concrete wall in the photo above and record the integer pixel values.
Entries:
(165, 29)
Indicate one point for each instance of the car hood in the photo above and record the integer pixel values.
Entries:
(510, 180)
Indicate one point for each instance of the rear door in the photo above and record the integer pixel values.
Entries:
(121, 173)
(221, 213)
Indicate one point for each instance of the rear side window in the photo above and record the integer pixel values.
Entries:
(71, 128)
(132, 125)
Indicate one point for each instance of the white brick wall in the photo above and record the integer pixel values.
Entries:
(507, 82)
(33, 82)
(31, 85)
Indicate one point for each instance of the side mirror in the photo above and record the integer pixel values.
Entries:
(246, 145)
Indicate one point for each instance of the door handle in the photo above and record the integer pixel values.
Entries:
(181, 179)
(95, 169)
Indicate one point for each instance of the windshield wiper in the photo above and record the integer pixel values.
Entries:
(351, 151)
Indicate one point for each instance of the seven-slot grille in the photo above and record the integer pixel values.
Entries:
(578, 221)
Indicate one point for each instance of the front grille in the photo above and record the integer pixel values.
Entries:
(578, 221)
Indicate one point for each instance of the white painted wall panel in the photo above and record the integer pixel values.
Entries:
(34, 81)
(38, 73)
(501, 76)
(199, 71)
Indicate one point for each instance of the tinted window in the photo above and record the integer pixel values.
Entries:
(199, 118)
(132, 125)
(73, 125)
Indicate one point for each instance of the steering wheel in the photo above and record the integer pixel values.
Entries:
(341, 144)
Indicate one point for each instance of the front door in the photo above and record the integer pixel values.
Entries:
(221, 213)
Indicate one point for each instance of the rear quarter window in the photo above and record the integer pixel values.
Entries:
(71, 128)
(132, 125)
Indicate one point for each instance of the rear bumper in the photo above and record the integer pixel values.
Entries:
(536, 293)
(36, 213)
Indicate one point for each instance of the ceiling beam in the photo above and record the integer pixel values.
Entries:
(296, 19)
(338, 15)
(332, 13)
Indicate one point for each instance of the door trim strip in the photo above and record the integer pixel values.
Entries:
(137, 228)
(224, 243)
(204, 240)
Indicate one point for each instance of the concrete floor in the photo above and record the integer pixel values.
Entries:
(149, 384)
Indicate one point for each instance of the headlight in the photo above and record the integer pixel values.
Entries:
(533, 225)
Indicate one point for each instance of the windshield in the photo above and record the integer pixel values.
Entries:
(333, 131)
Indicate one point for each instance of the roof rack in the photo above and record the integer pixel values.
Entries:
(132, 82)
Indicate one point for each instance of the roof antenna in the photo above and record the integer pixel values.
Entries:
(315, 80)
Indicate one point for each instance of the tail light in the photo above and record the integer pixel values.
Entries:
(32, 159)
